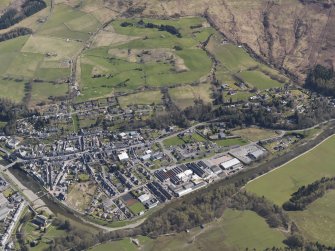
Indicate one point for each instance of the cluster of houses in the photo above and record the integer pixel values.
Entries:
(11, 207)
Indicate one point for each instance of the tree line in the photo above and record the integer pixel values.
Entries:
(141, 24)
(308, 194)
(13, 16)
(10, 112)
(17, 32)
(321, 79)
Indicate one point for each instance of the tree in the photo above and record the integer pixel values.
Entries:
(294, 241)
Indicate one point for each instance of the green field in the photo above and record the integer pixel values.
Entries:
(245, 229)
(235, 231)
(278, 185)
(232, 58)
(317, 222)
(259, 80)
(141, 98)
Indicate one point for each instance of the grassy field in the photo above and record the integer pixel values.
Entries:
(11, 89)
(278, 185)
(32, 233)
(122, 245)
(255, 134)
(317, 222)
(185, 96)
(42, 91)
(235, 231)
(141, 98)
(259, 80)
(231, 142)
(80, 195)
(69, 23)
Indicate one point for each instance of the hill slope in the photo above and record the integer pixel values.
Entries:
(291, 35)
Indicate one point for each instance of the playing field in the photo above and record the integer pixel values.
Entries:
(317, 222)
(279, 184)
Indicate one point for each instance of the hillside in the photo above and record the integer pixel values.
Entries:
(289, 34)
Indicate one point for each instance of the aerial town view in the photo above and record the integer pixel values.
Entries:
(167, 125)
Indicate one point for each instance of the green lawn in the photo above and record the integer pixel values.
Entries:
(259, 80)
(25, 64)
(239, 96)
(278, 185)
(317, 222)
(137, 208)
(175, 141)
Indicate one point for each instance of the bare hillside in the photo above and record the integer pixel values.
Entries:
(292, 35)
